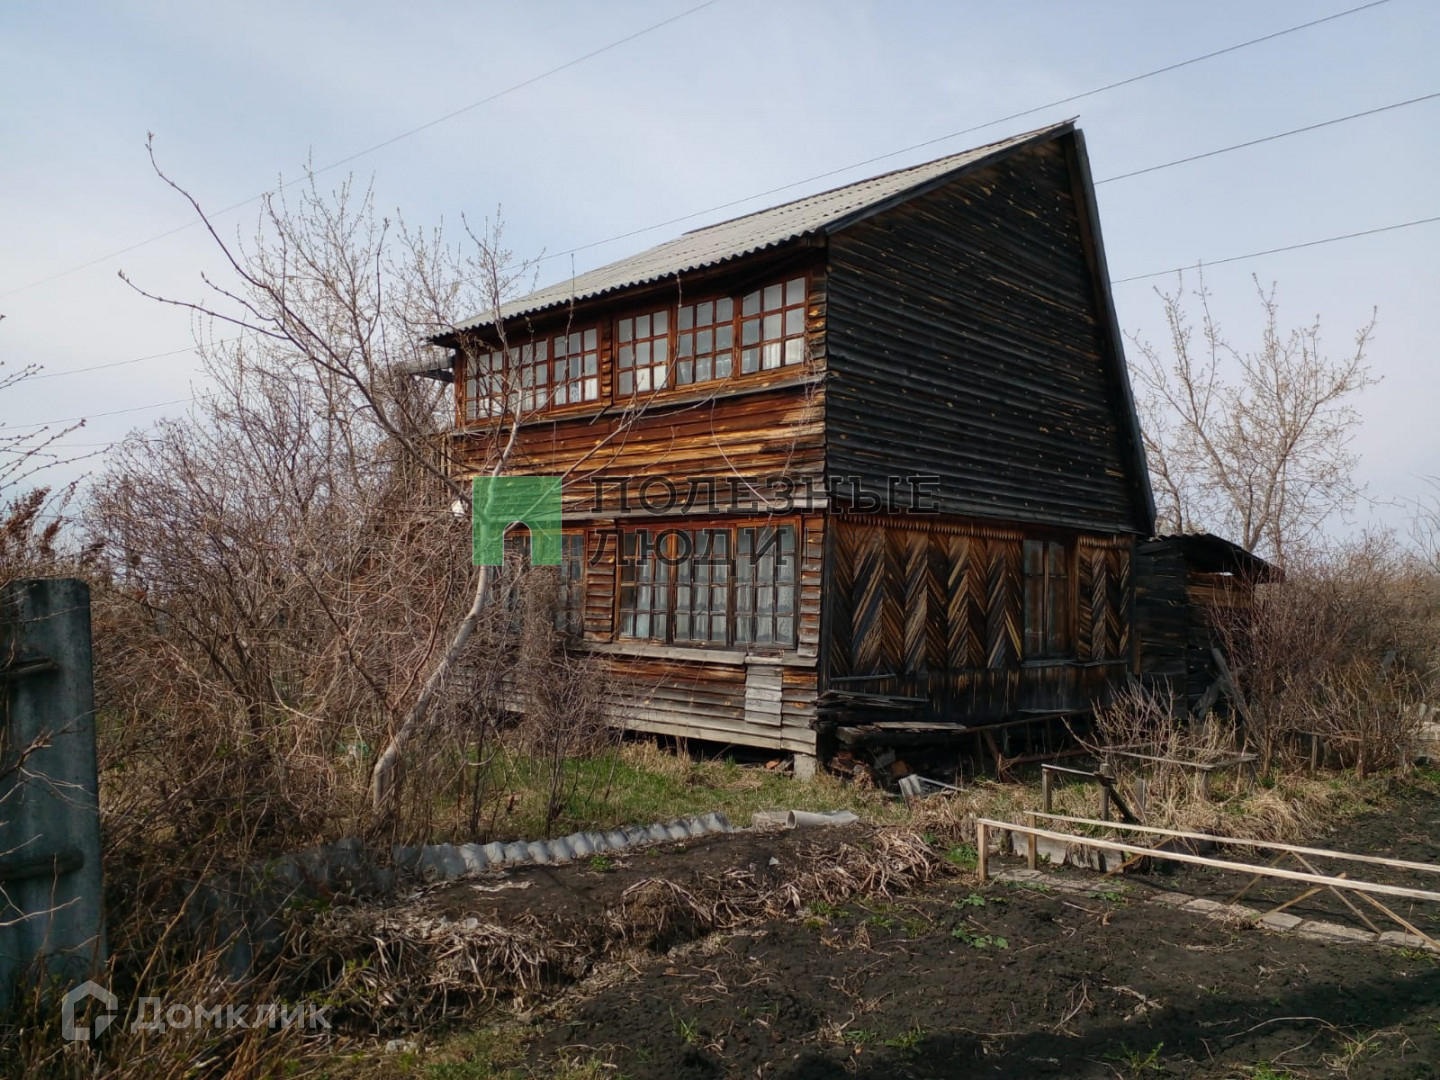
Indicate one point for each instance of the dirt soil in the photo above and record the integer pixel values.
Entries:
(955, 980)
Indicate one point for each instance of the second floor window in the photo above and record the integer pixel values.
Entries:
(772, 327)
(642, 353)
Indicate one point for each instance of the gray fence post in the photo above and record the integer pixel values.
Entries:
(50, 884)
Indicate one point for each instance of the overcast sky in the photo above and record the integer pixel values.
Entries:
(733, 99)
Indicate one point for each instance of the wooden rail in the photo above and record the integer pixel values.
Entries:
(1034, 832)
(1240, 841)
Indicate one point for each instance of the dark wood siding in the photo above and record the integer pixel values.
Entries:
(936, 605)
(965, 339)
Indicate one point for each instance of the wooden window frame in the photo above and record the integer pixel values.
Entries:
(1056, 628)
(643, 347)
(530, 370)
(774, 314)
(570, 604)
(678, 576)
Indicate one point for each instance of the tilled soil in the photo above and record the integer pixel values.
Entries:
(1012, 982)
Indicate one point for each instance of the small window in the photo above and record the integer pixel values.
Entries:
(772, 327)
(1047, 600)
(645, 601)
(765, 575)
(576, 367)
(705, 341)
(642, 353)
(570, 603)
(702, 588)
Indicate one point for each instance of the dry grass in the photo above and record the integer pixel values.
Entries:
(405, 966)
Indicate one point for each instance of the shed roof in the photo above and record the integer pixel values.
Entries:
(1211, 554)
(741, 236)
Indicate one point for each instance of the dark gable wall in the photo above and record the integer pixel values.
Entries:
(964, 340)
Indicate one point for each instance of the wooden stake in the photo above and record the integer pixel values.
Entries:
(982, 851)
(1032, 843)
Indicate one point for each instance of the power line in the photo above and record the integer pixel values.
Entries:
(1268, 138)
(383, 144)
(112, 364)
(1109, 179)
(97, 416)
(1277, 250)
(969, 130)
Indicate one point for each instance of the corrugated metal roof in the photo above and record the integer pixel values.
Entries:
(715, 244)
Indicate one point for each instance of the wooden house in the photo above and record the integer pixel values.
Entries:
(869, 457)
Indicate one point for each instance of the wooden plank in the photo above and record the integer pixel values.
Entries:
(1214, 864)
(1240, 841)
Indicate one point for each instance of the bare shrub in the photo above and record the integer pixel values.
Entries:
(1344, 651)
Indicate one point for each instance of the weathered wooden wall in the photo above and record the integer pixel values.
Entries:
(968, 338)
(937, 603)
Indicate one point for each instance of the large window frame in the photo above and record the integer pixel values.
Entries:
(716, 585)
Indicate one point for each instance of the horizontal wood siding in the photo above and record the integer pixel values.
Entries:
(937, 604)
(965, 340)
(690, 699)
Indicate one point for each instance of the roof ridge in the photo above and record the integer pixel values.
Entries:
(878, 176)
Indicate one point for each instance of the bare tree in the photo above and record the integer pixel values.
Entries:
(1253, 443)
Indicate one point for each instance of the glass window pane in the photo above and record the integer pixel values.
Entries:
(751, 304)
(642, 352)
(592, 389)
(774, 297)
(642, 326)
(705, 340)
(685, 345)
(702, 369)
(661, 374)
(642, 379)
(624, 328)
(794, 350)
(684, 372)
(724, 336)
(772, 355)
(724, 364)
(662, 322)
(592, 340)
(750, 332)
(705, 313)
(794, 321)
(662, 350)
(687, 317)
(749, 361)
(772, 328)
(795, 291)
(627, 383)
(724, 310)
